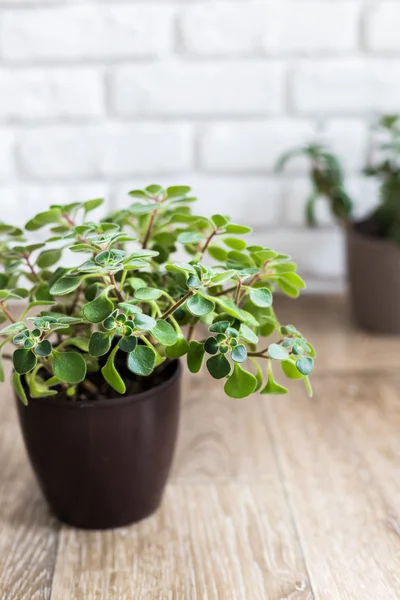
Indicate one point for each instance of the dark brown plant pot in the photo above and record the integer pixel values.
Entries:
(104, 464)
(374, 282)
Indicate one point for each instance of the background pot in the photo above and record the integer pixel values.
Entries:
(105, 463)
(374, 282)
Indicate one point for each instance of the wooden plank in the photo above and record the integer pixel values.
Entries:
(28, 533)
(228, 541)
(339, 510)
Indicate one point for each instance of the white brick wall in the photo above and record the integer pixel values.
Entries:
(99, 96)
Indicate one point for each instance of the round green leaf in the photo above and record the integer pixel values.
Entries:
(200, 306)
(241, 383)
(142, 360)
(211, 346)
(218, 253)
(277, 352)
(238, 229)
(261, 297)
(99, 309)
(128, 344)
(195, 356)
(164, 333)
(248, 334)
(100, 343)
(47, 258)
(272, 386)
(144, 322)
(305, 365)
(44, 348)
(190, 237)
(219, 366)
(219, 327)
(239, 353)
(111, 374)
(291, 370)
(65, 285)
(146, 294)
(194, 282)
(19, 388)
(219, 220)
(24, 360)
(69, 367)
(235, 243)
(180, 348)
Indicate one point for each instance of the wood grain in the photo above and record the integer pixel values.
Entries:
(209, 541)
(336, 499)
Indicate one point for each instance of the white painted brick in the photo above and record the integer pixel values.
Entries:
(86, 32)
(312, 27)
(252, 146)
(7, 142)
(346, 87)
(348, 138)
(109, 150)
(280, 28)
(20, 202)
(47, 94)
(228, 28)
(382, 26)
(319, 253)
(251, 201)
(218, 88)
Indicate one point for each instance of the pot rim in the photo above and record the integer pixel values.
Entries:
(370, 239)
(111, 402)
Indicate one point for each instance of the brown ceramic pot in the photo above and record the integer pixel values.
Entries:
(104, 464)
(374, 282)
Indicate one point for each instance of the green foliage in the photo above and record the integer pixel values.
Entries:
(129, 299)
(327, 182)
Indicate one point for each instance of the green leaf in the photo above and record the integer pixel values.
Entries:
(180, 348)
(195, 356)
(235, 243)
(200, 306)
(190, 237)
(65, 285)
(13, 328)
(194, 282)
(69, 367)
(294, 280)
(99, 309)
(219, 221)
(128, 344)
(277, 352)
(144, 322)
(290, 370)
(90, 205)
(44, 218)
(288, 289)
(272, 386)
(164, 333)
(19, 389)
(177, 191)
(111, 374)
(261, 297)
(222, 277)
(228, 305)
(238, 229)
(44, 348)
(130, 309)
(239, 353)
(241, 383)
(259, 374)
(142, 360)
(146, 294)
(248, 334)
(143, 209)
(305, 365)
(307, 383)
(211, 345)
(100, 343)
(218, 253)
(81, 343)
(219, 366)
(24, 360)
(47, 258)
(219, 327)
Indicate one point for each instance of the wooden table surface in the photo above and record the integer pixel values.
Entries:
(270, 498)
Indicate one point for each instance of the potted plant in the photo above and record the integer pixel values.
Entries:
(373, 252)
(97, 347)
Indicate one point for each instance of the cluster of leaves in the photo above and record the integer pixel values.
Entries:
(129, 298)
(327, 181)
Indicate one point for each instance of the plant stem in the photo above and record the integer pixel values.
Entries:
(149, 229)
(31, 268)
(191, 332)
(117, 291)
(175, 307)
(7, 313)
(238, 290)
(208, 241)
